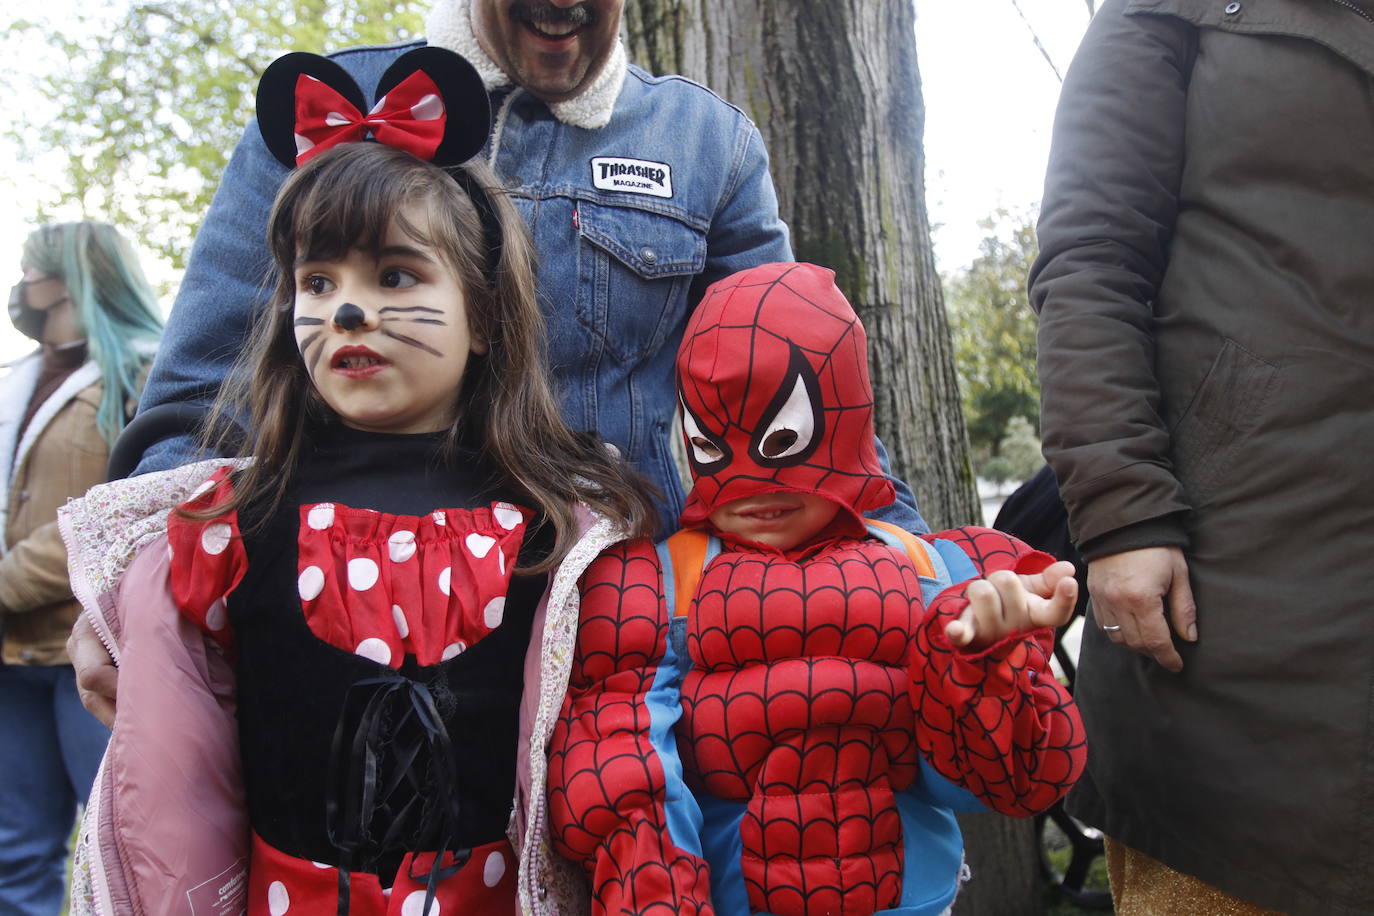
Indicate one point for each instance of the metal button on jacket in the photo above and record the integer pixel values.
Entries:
(649, 255)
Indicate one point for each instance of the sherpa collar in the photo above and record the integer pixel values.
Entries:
(449, 25)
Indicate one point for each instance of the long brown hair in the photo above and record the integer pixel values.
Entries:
(347, 198)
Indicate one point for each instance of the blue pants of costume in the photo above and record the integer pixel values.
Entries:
(50, 748)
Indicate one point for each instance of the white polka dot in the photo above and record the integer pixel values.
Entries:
(414, 905)
(479, 544)
(362, 573)
(446, 579)
(494, 870)
(320, 517)
(171, 554)
(321, 865)
(278, 900)
(201, 490)
(401, 546)
(501, 560)
(402, 626)
(215, 538)
(506, 515)
(334, 119)
(375, 649)
(440, 518)
(215, 617)
(452, 649)
(303, 144)
(429, 108)
(494, 612)
(311, 583)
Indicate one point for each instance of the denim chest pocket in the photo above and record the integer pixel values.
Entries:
(635, 268)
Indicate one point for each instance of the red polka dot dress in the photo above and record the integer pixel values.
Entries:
(379, 658)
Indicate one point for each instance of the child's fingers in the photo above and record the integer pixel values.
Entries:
(1044, 582)
(979, 619)
(1057, 609)
(1013, 595)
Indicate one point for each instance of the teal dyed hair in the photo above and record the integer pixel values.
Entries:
(113, 301)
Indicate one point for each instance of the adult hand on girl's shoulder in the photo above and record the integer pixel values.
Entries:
(96, 676)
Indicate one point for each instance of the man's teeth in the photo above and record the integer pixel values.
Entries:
(554, 29)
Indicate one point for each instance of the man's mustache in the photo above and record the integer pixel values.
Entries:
(578, 15)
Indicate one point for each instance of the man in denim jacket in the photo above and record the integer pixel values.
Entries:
(640, 191)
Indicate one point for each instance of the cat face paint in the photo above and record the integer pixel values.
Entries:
(385, 338)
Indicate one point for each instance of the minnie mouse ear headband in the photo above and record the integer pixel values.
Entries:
(430, 103)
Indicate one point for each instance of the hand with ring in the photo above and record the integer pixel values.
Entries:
(1138, 595)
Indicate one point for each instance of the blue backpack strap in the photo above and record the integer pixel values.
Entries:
(682, 557)
(931, 566)
(959, 563)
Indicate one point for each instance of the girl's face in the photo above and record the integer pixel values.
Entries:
(385, 339)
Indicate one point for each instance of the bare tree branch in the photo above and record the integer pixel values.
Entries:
(1035, 36)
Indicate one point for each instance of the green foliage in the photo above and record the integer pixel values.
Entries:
(1020, 448)
(994, 331)
(141, 102)
(1017, 456)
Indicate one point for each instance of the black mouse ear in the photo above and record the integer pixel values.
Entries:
(307, 103)
(466, 108)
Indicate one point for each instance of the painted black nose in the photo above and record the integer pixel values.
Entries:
(349, 317)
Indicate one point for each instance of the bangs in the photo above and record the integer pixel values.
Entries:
(325, 210)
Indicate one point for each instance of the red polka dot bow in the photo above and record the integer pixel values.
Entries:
(430, 103)
(410, 117)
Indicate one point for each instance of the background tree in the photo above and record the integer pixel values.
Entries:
(994, 333)
(152, 97)
(834, 87)
(835, 90)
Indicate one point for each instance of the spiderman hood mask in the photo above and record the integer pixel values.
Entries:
(773, 379)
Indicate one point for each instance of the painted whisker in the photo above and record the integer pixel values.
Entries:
(413, 342)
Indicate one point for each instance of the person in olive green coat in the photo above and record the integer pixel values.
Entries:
(86, 302)
(1206, 297)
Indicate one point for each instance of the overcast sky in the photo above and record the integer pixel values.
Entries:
(989, 96)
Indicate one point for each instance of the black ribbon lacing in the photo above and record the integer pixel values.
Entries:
(384, 728)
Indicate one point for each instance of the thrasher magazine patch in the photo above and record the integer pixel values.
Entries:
(637, 176)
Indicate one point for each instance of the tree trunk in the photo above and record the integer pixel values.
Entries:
(834, 87)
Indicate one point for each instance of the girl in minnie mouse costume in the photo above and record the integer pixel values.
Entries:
(341, 653)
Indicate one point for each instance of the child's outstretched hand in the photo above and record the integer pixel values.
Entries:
(1005, 603)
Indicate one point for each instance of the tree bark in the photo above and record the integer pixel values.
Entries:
(835, 90)
(833, 86)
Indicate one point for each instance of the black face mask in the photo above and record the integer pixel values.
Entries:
(26, 320)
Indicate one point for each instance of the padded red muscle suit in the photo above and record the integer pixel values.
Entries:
(821, 707)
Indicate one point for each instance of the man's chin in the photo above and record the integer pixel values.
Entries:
(552, 86)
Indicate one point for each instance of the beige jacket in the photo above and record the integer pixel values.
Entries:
(60, 455)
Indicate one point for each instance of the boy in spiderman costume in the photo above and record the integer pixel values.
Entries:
(778, 709)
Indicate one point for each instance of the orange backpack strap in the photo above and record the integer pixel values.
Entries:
(683, 556)
(895, 536)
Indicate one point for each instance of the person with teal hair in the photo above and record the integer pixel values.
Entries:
(83, 297)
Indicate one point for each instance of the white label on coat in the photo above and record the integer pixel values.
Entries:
(225, 894)
(637, 176)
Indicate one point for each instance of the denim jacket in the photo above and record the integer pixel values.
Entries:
(630, 221)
